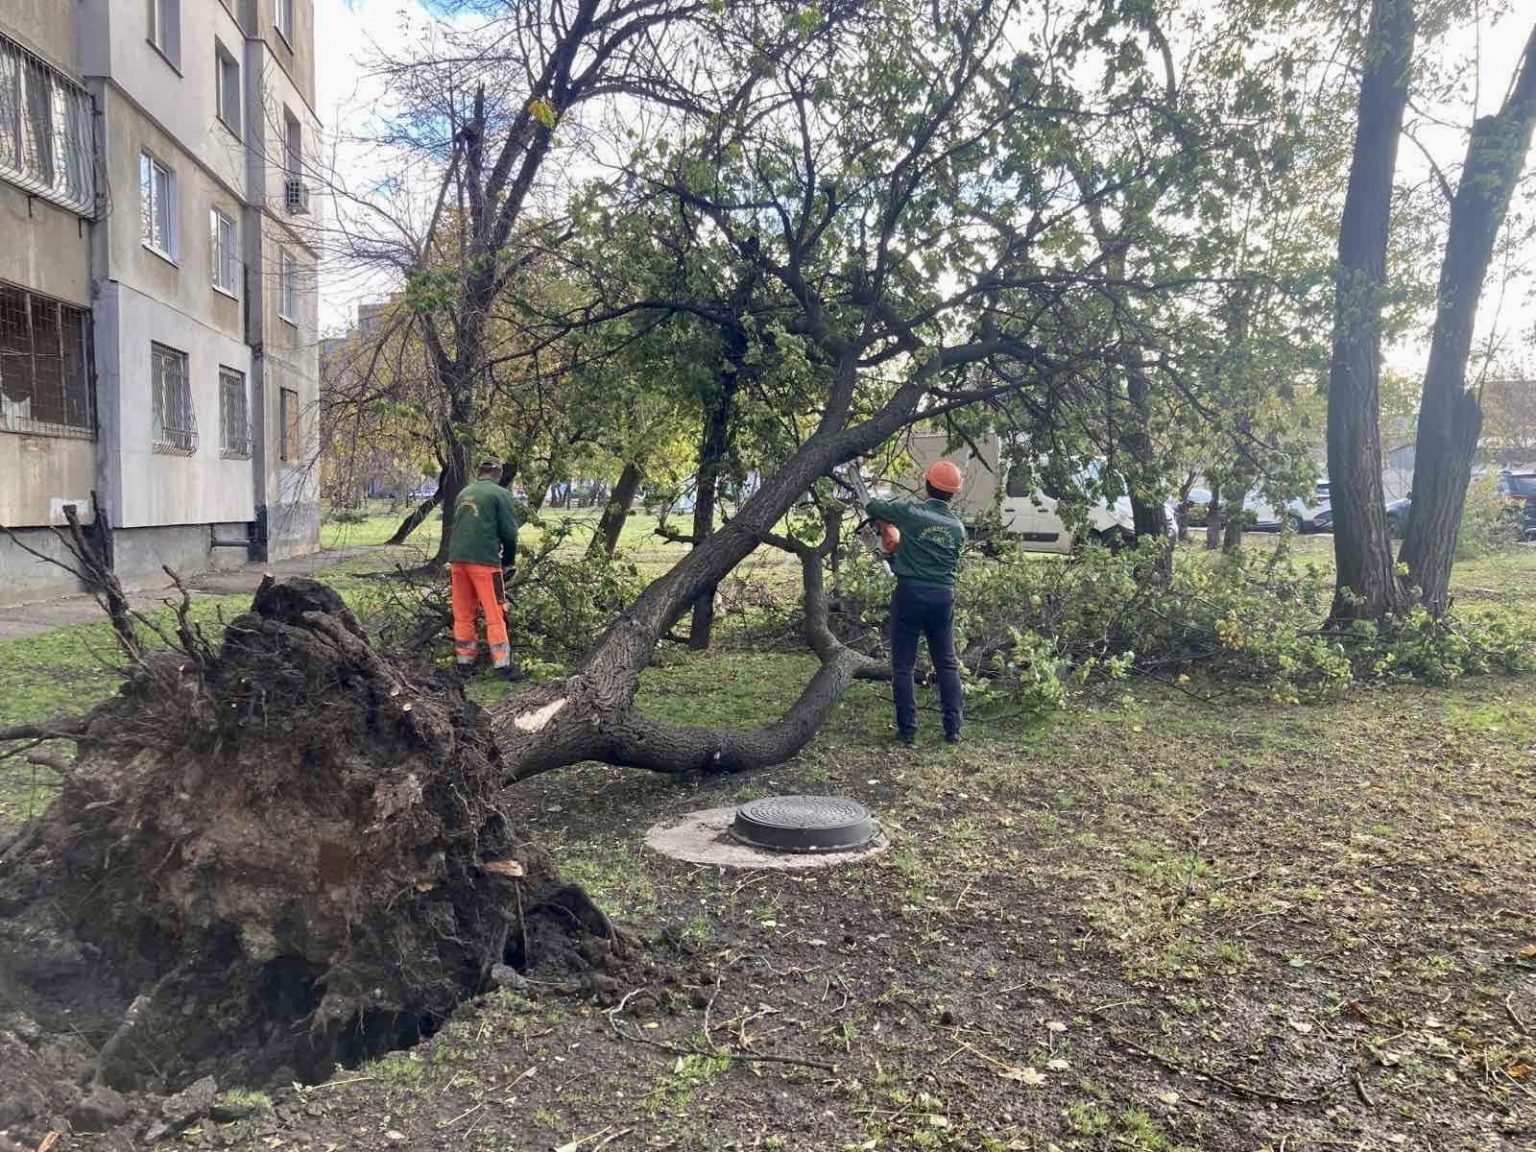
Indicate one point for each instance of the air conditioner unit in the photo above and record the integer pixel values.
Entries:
(296, 196)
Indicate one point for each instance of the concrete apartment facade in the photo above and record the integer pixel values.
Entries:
(198, 272)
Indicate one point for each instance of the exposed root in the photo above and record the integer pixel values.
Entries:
(281, 857)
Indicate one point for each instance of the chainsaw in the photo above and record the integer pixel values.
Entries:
(879, 538)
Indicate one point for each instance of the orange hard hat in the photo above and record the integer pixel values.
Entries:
(945, 476)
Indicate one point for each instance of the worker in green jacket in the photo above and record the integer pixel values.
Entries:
(483, 546)
(925, 561)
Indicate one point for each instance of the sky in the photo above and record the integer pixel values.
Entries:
(347, 32)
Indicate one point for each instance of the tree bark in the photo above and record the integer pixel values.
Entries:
(616, 512)
(1214, 519)
(1451, 415)
(418, 514)
(590, 715)
(1366, 585)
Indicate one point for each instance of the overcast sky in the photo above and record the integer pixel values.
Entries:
(348, 31)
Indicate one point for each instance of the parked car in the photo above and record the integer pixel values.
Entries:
(1521, 486)
(1262, 516)
(1033, 518)
(1397, 517)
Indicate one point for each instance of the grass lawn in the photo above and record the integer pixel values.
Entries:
(1142, 923)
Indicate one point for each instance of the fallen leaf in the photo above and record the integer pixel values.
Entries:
(1168, 1098)
(1055, 1026)
(1057, 1065)
(1529, 951)
(394, 1135)
(1389, 1059)
(1518, 1071)
(938, 1121)
(1031, 1076)
(1300, 1025)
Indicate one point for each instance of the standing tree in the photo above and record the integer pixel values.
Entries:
(1367, 585)
(1451, 414)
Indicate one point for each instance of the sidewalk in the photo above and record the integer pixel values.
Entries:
(40, 616)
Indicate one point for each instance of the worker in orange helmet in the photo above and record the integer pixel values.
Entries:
(929, 537)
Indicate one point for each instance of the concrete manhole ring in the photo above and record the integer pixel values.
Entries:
(705, 838)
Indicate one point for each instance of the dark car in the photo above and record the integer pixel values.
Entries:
(1397, 517)
(1521, 487)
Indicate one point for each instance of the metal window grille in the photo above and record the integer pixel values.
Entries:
(45, 385)
(174, 423)
(234, 416)
(45, 131)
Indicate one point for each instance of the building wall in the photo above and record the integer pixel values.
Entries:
(46, 27)
(42, 474)
(142, 487)
(45, 249)
(181, 95)
(186, 283)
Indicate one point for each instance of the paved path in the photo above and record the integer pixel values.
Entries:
(44, 615)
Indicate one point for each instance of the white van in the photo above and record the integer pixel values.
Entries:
(1030, 517)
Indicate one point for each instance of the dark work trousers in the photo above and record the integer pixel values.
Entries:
(924, 610)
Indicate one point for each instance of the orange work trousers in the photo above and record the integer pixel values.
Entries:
(479, 587)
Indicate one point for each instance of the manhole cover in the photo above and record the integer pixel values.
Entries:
(804, 824)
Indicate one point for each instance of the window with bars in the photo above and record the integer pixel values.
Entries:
(45, 385)
(288, 418)
(226, 253)
(45, 131)
(234, 416)
(174, 423)
(157, 204)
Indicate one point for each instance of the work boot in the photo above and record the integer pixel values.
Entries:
(513, 673)
(953, 738)
(465, 671)
(906, 739)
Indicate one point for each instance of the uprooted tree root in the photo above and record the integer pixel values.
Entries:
(275, 858)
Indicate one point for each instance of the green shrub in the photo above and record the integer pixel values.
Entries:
(354, 515)
(1028, 626)
(1488, 522)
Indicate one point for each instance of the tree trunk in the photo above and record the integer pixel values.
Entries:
(455, 477)
(1366, 586)
(1213, 519)
(418, 514)
(1450, 415)
(590, 715)
(606, 539)
(714, 449)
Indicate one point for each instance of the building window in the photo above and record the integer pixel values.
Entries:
(165, 28)
(285, 20)
(157, 198)
(174, 421)
(292, 448)
(226, 254)
(227, 72)
(45, 384)
(234, 416)
(288, 282)
(45, 131)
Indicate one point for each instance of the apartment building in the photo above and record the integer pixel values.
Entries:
(166, 277)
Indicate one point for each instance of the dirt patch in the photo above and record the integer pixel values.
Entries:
(267, 861)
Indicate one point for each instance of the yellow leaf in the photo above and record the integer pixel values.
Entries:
(1031, 1076)
(544, 112)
